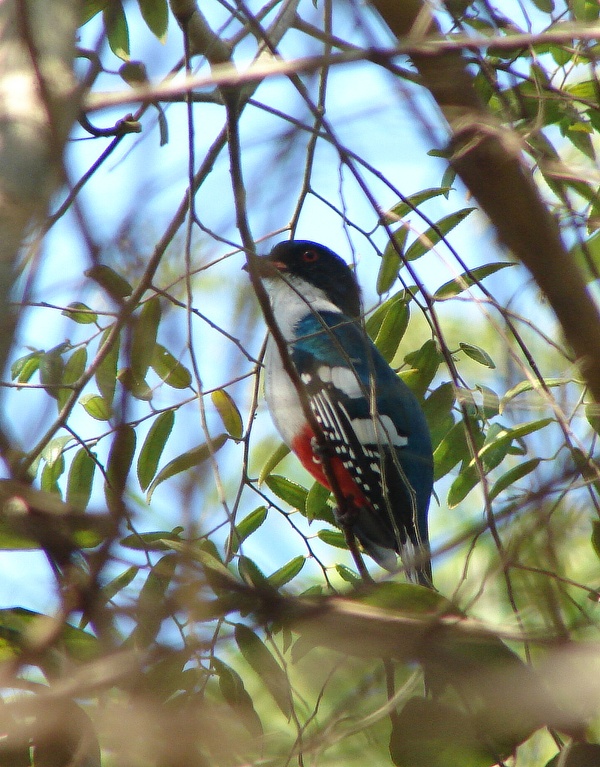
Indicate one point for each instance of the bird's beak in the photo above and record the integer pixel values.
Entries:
(265, 266)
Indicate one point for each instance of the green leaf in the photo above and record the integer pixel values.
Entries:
(106, 374)
(290, 492)
(159, 540)
(91, 8)
(280, 452)
(116, 286)
(348, 575)
(80, 313)
(51, 473)
(316, 506)
(512, 476)
(402, 209)
(153, 447)
(81, 477)
(230, 415)
(55, 448)
(117, 30)
(546, 6)
(424, 364)
(23, 368)
(96, 406)
(187, 460)
(490, 402)
(596, 537)
(452, 449)
(150, 610)
(285, 574)
(119, 463)
(462, 485)
(393, 328)
(119, 583)
(467, 279)
(144, 337)
(525, 386)
(251, 573)
(246, 527)
(433, 235)
(51, 367)
(391, 260)
(235, 695)
(333, 538)
(478, 354)
(170, 370)
(136, 386)
(156, 15)
(260, 659)
(72, 372)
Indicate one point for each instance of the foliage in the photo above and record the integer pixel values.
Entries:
(207, 611)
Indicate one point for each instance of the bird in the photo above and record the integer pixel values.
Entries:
(374, 440)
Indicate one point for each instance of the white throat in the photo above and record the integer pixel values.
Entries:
(292, 298)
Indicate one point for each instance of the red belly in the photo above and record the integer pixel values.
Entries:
(302, 447)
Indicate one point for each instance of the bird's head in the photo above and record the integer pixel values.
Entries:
(299, 261)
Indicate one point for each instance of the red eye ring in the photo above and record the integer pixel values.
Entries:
(310, 256)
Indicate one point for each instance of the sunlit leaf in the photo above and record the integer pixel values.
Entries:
(512, 476)
(230, 415)
(391, 260)
(424, 363)
(72, 372)
(467, 279)
(478, 354)
(251, 573)
(23, 368)
(290, 492)
(525, 386)
(246, 527)
(80, 313)
(276, 457)
(429, 239)
(187, 460)
(135, 385)
(333, 538)
(402, 209)
(96, 406)
(159, 540)
(153, 447)
(392, 329)
(316, 506)
(285, 574)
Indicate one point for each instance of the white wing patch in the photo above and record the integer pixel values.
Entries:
(378, 431)
(342, 378)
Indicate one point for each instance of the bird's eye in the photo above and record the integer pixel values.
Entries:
(310, 256)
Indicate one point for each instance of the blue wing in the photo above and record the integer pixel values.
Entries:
(375, 424)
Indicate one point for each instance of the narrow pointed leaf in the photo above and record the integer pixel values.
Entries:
(119, 463)
(285, 574)
(272, 461)
(333, 538)
(392, 329)
(246, 527)
(156, 15)
(106, 374)
(72, 372)
(429, 239)
(402, 209)
(117, 30)
(290, 492)
(512, 476)
(144, 337)
(467, 279)
(316, 506)
(153, 447)
(81, 477)
(391, 260)
(478, 354)
(186, 461)
(150, 603)
(260, 659)
(235, 694)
